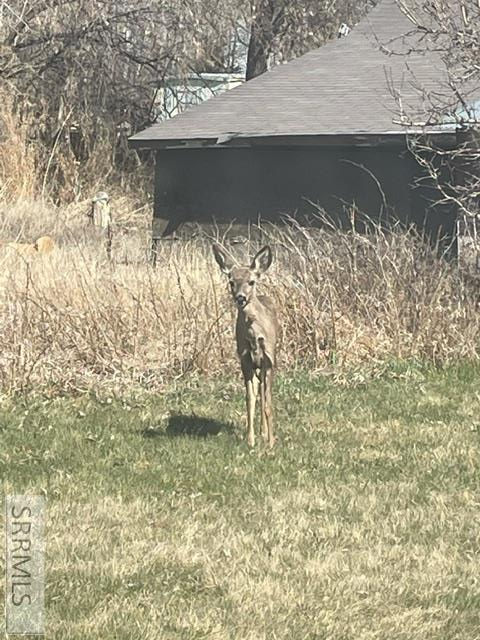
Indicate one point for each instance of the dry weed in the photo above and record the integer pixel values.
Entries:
(72, 319)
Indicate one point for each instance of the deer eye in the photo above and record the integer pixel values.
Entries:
(251, 283)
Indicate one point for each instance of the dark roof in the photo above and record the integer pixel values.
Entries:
(343, 88)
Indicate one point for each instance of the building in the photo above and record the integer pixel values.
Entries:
(178, 94)
(325, 128)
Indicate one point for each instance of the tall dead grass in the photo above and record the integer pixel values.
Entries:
(72, 320)
(19, 158)
(33, 168)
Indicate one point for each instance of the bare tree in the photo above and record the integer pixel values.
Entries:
(85, 73)
(451, 31)
(284, 29)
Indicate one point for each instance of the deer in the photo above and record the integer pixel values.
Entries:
(44, 244)
(256, 334)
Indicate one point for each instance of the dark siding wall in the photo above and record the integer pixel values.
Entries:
(245, 184)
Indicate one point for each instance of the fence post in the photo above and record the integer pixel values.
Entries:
(101, 218)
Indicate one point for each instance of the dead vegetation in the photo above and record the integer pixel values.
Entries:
(73, 319)
(76, 320)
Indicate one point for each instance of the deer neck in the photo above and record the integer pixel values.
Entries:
(252, 310)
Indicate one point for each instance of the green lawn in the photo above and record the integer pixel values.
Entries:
(363, 523)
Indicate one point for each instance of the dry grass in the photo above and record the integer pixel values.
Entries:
(72, 320)
(19, 160)
(33, 166)
(363, 523)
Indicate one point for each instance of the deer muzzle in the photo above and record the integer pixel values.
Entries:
(240, 300)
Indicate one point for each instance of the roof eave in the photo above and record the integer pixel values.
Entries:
(379, 139)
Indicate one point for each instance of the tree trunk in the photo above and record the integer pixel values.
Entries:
(261, 41)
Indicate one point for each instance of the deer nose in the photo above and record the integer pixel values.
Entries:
(240, 299)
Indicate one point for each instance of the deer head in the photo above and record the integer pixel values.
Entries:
(242, 279)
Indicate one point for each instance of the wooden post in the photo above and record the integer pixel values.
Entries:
(101, 216)
(154, 251)
(102, 219)
(158, 227)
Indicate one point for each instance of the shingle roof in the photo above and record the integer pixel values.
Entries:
(342, 88)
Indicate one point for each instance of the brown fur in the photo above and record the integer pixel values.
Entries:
(43, 245)
(256, 335)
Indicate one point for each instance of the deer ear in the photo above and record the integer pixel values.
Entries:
(262, 260)
(222, 259)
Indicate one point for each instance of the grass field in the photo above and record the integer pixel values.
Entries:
(363, 523)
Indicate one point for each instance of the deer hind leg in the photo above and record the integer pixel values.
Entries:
(263, 373)
(251, 388)
(268, 405)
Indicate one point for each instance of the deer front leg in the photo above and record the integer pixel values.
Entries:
(252, 390)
